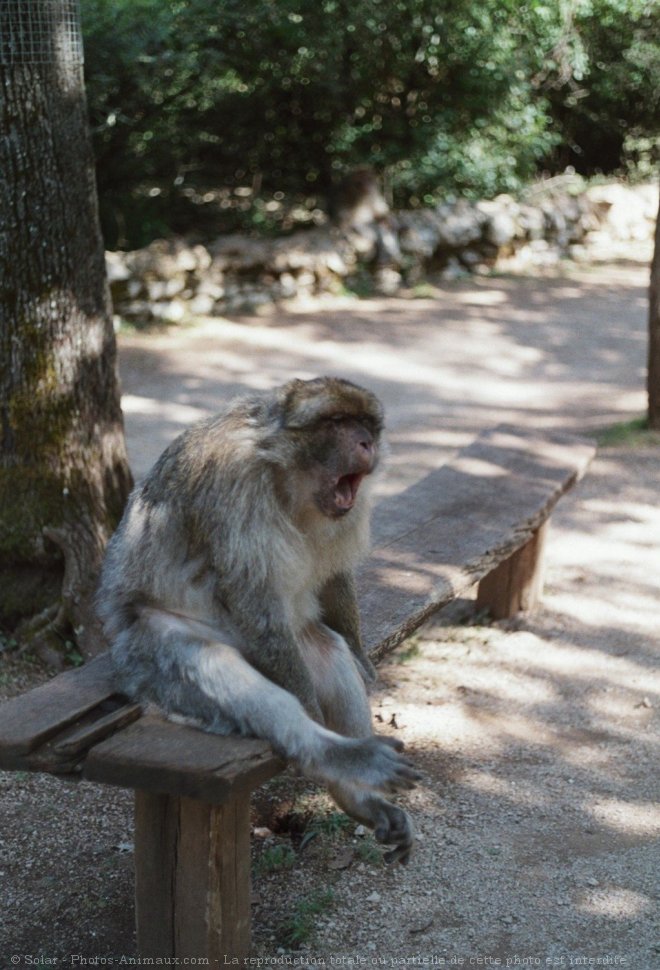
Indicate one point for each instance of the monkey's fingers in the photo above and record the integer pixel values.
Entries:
(404, 774)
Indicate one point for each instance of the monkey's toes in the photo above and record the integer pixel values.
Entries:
(395, 828)
(401, 854)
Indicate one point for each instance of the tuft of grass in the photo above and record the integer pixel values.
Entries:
(332, 824)
(274, 858)
(633, 433)
(367, 851)
(73, 656)
(425, 291)
(7, 643)
(409, 652)
(300, 926)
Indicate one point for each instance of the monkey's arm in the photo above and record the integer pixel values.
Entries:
(340, 612)
(271, 647)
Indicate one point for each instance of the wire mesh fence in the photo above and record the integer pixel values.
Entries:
(40, 32)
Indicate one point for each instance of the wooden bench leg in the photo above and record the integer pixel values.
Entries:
(192, 877)
(517, 583)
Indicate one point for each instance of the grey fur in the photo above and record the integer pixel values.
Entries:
(227, 592)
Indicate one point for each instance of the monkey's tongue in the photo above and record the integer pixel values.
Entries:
(346, 491)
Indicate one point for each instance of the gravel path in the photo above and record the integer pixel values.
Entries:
(538, 817)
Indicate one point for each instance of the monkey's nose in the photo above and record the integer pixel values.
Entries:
(367, 451)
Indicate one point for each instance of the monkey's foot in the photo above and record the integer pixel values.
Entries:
(394, 827)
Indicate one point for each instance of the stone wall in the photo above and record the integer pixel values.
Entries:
(171, 280)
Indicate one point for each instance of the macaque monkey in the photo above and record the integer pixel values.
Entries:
(227, 592)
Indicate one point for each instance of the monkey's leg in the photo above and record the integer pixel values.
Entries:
(345, 705)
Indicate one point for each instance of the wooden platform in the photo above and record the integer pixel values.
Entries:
(480, 518)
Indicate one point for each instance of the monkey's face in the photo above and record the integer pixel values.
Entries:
(333, 428)
(343, 453)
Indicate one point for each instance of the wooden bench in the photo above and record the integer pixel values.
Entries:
(480, 518)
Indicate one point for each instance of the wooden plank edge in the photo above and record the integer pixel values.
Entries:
(16, 738)
(213, 786)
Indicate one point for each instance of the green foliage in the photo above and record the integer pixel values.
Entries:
(229, 113)
(332, 824)
(369, 853)
(629, 434)
(409, 652)
(273, 858)
(299, 928)
(601, 80)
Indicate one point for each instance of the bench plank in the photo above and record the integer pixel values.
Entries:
(76, 742)
(448, 531)
(157, 755)
(29, 720)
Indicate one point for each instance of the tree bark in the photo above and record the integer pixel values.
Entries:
(654, 335)
(64, 475)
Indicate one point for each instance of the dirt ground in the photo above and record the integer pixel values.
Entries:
(538, 821)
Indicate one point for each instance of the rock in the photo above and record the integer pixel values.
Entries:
(460, 224)
(171, 311)
(164, 289)
(387, 281)
(531, 221)
(624, 211)
(419, 232)
(453, 270)
(116, 268)
(202, 305)
(501, 221)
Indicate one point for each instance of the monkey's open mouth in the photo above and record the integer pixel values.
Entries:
(346, 491)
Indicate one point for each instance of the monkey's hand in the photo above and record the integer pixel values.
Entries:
(375, 762)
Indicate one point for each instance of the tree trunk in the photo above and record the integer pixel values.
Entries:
(654, 335)
(64, 475)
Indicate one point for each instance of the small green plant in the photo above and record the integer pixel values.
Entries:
(273, 858)
(332, 824)
(425, 291)
(299, 928)
(635, 432)
(7, 643)
(367, 851)
(73, 656)
(409, 652)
